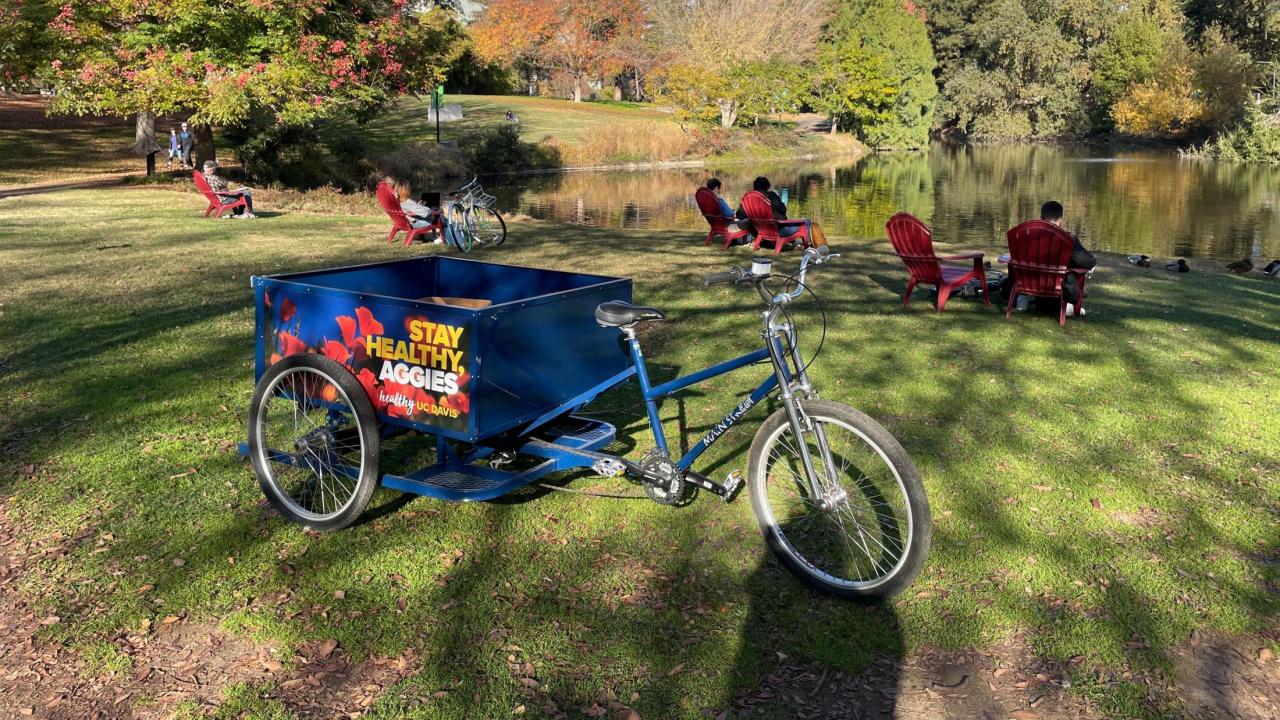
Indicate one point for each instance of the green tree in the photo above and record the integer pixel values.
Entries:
(1129, 55)
(1253, 25)
(875, 72)
(300, 60)
(25, 42)
(1225, 76)
(853, 86)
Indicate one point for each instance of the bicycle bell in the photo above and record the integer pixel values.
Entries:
(761, 266)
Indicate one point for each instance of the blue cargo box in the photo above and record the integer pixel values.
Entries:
(444, 345)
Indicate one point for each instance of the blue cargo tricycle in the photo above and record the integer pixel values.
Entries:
(495, 361)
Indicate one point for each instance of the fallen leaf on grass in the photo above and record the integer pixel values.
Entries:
(1024, 715)
(529, 683)
(1265, 655)
(632, 715)
(148, 587)
(179, 562)
(339, 594)
(1043, 488)
(291, 684)
(1000, 672)
(327, 648)
(675, 670)
(595, 711)
(272, 666)
(189, 471)
(1097, 504)
(51, 620)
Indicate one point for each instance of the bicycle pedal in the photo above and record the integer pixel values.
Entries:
(732, 485)
(609, 468)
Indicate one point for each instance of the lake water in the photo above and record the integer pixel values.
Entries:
(1144, 201)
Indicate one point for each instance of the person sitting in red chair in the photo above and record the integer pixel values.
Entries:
(219, 186)
(1052, 212)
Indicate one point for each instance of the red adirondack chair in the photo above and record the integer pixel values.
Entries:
(710, 208)
(1039, 254)
(766, 229)
(913, 241)
(215, 202)
(399, 220)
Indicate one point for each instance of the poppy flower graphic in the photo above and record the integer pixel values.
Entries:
(290, 344)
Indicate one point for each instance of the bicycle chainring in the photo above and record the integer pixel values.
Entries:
(657, 464)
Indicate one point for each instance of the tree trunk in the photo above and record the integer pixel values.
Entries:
(835, 122)
(144, 139)
(204, 149)
(639, 96)
(728, 112)
(617, 93)
(577, 88)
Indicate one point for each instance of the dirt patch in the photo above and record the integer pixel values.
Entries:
(1003, 682)
(1222, 677)
(148, 672)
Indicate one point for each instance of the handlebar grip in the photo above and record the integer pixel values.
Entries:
(722, 277)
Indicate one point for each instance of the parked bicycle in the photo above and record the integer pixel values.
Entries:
(471, 218)
(503, 388)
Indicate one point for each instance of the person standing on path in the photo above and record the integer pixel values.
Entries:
(185, 141)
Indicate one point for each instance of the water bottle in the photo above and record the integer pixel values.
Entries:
(786, 195)
(1022, 303)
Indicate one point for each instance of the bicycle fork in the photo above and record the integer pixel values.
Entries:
(775, 334)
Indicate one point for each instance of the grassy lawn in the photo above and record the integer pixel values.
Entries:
(39, 149)
(1102, 490)
(539, 117)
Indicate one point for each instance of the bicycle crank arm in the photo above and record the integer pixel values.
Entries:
(727, 492)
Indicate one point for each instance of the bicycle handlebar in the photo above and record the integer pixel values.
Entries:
(734, 275)
(738, 275)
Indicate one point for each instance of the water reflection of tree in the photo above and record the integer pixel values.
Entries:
(1142, 201)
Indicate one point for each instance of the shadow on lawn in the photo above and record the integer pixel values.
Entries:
(640, 602)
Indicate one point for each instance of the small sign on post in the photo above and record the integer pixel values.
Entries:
(437, 98)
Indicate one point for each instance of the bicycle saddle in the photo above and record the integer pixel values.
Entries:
(616, 313)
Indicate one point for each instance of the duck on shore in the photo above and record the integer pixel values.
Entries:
(1240, 266)
(1272, 269)
(1140, 260)
(1180, 266)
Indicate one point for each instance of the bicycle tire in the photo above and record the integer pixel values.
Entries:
(491, 229)
(340, 429)
(457, 233)
(863, 446)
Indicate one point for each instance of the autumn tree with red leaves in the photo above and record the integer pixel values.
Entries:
(221, 60)
(577, 38)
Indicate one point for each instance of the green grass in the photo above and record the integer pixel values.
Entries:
(127, 370)
(37, 149)
(539, 117)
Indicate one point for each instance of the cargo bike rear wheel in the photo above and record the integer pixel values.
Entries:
(313, 442)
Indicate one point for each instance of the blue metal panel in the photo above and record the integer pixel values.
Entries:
(459, 372)
(454, 481)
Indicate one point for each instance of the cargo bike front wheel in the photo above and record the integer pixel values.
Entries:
(865, 533)
(313, 441)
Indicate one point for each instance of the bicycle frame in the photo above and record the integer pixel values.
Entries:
(783, 374)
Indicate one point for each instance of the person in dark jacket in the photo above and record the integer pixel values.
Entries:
(1052, 212)
(779, 208)
(186, 141)
(1081, 258)
(762, 185)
